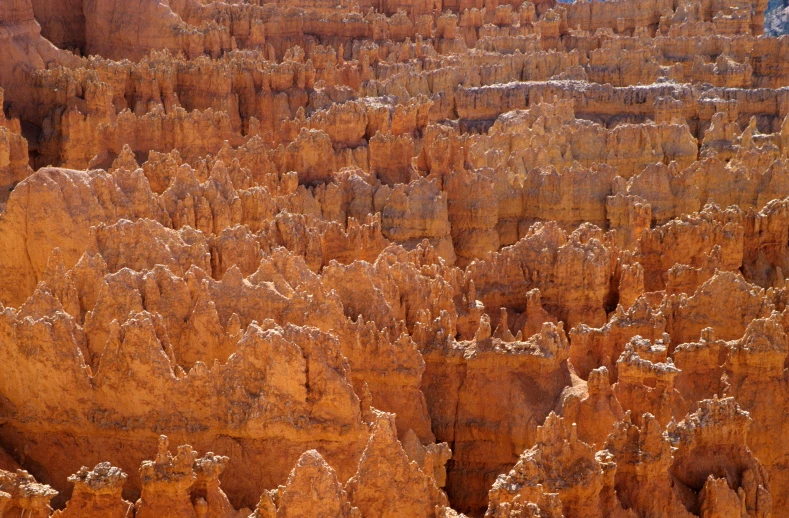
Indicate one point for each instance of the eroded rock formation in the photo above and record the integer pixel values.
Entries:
(403, 258)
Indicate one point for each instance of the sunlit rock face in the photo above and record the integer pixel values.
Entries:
(410, 258)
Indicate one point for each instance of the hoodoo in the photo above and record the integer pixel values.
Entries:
(394, 259)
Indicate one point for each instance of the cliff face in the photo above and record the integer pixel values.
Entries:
(393, 259)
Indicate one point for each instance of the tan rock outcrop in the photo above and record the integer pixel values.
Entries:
(97, 492)
(456, 383)
(312, 489)
(538, 483)
(643, 456)
(393, 258)
(387, 483)
(718, 429)
(23, 496)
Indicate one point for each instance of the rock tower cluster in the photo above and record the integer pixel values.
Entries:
(393, 259)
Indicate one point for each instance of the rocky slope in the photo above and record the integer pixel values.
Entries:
(402, 258)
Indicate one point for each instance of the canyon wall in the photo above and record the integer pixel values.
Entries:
(402, 258)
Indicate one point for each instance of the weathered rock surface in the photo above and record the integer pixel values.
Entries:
(402, 258)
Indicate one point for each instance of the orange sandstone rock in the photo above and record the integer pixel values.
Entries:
(530, 254)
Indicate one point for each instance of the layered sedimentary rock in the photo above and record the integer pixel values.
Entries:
(393, 258)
